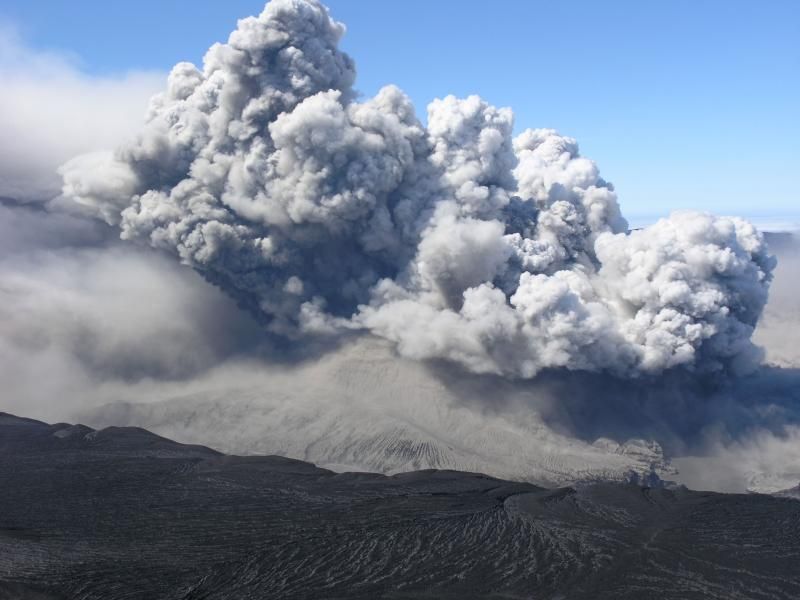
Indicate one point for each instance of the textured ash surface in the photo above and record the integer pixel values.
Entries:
(123, 513)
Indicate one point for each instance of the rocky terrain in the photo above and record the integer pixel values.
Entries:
(124, 513)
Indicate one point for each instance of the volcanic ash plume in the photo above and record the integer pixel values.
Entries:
(320, 213)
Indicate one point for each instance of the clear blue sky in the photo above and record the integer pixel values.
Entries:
(683, 104)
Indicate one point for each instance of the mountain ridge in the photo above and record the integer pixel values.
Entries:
(119, 516)
(364, 408)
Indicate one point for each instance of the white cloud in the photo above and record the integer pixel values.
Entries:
(50, 111)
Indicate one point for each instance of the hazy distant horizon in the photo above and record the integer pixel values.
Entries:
(777, 223)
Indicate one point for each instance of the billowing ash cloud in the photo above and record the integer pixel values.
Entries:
(321, 213)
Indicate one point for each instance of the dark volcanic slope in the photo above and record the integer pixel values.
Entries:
(122, 513)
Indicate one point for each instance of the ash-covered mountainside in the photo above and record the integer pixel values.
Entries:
(123, 513)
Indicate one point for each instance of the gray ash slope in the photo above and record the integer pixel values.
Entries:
(123, 513)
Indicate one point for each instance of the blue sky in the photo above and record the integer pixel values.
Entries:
(682, 104)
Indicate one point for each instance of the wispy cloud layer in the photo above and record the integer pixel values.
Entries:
(50, 111)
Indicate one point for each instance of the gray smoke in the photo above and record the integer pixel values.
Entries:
(323, 214)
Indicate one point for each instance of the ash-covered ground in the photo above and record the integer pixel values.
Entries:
(123, 513)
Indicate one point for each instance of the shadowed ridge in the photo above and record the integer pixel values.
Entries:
(139, 439)
(7, 419)
(20, 434)
(127, 510)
